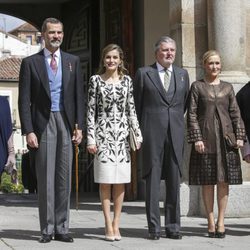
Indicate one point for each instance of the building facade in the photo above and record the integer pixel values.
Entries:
(12, 50)
(27, 33)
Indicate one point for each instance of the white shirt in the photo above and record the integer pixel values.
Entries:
(48, 57)
(161, 71)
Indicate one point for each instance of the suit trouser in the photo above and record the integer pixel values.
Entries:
(172, 199)
(53, 167)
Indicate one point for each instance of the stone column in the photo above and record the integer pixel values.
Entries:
(182, 22)
(182, 30)
(227, 34)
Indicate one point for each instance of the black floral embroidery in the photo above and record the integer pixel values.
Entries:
(111, 111)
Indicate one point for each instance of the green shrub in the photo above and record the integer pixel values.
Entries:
(7, 186)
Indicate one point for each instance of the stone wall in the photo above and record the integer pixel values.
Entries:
(197, 26)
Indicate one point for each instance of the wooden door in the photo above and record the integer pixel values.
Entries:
(81, 21)
(119, 30)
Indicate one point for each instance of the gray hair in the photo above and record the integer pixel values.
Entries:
(50, 20)
(163, 39)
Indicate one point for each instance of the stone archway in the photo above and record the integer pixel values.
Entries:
(84, 35)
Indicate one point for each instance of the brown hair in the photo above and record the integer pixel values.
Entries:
(121, 69)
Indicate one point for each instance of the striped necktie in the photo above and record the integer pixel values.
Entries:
(166, 80)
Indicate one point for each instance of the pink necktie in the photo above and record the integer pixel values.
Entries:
(53, 63)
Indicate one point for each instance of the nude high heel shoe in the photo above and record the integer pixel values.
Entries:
(109, 235)
(109, 238)
(118, 237)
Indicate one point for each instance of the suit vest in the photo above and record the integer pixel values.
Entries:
(171, 90)
(55, 85)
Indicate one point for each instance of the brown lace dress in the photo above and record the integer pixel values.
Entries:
(212, 113)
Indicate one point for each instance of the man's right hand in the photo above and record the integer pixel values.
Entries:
(31, 140)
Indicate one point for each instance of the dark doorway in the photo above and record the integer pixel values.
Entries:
(88, 25)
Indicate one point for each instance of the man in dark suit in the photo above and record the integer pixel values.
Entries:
(50, 104)
(160, 92)
(243, 97)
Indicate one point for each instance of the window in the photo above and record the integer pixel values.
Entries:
(29, 39)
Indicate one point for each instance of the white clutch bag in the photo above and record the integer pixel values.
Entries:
(132, 140)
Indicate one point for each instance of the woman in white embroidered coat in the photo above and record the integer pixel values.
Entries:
(111, 112)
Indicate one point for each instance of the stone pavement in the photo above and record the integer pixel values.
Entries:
(19, 228)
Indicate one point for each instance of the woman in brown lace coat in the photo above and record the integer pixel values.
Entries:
(213, 114)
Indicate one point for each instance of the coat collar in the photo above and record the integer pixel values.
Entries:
(66, 70)
(155, 78)
(40, 66)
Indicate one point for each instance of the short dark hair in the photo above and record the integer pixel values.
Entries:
(50, 20)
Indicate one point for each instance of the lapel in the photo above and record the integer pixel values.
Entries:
(179, 81)
(66, 69)
(177, 76)
(155, 79)
(39, 64)
(41, 70)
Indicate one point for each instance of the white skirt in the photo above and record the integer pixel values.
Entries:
(112, 173)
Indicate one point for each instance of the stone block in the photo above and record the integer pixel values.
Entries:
(191, 202)
(238, 202)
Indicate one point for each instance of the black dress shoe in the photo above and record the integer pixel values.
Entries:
(63, 237)
(211, 234)
(45, 238)
(220, 235)
(153, 236)
(174, 235)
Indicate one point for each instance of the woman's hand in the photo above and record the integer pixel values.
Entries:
(138, 145)
(239, 143)
(92, 149)
(199, 147)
